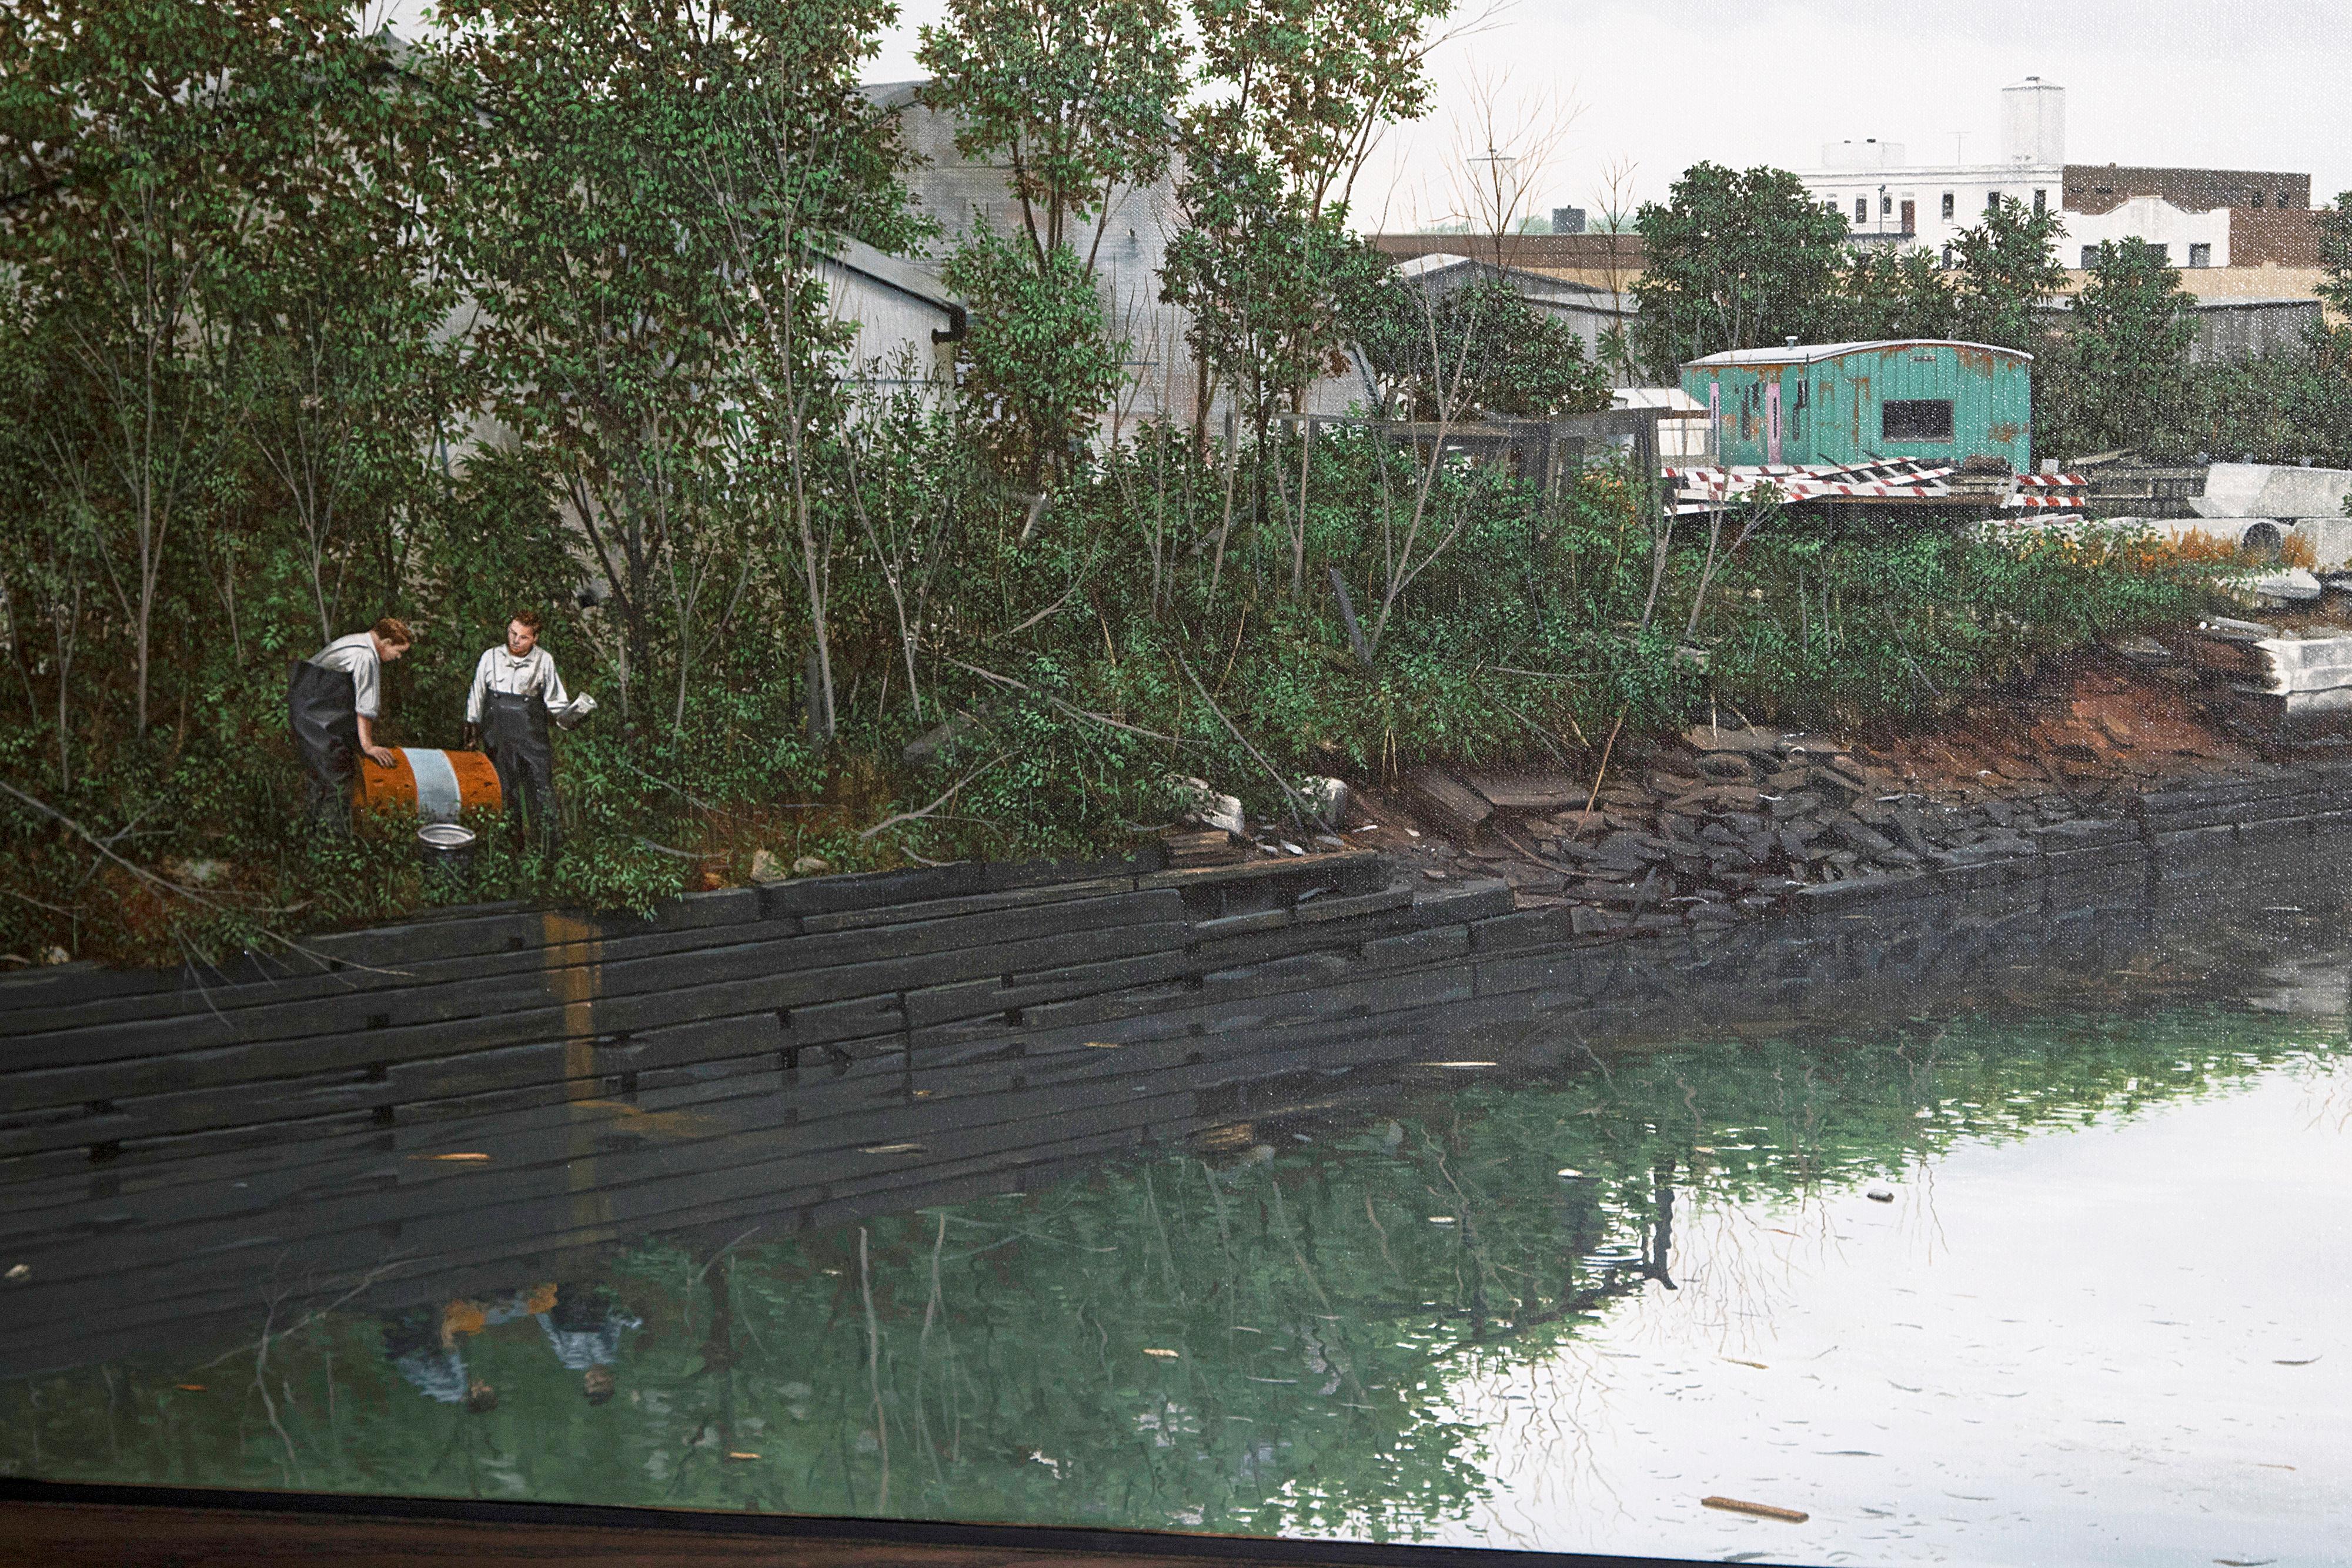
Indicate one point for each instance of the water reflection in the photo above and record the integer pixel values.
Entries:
(1390, 1298)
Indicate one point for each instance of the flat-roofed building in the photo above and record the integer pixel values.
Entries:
(2234, 232)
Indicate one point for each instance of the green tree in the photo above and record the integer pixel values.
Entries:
(140, 146)
(1479, 347)
(1264, 279)
(1075, 97)
(1884, 293)
(353, 391)
(2008, 264)
(2335, 223)
(1734, 260)
(2118, 375)
(637, 223)
(1290, 95)
(2285, 406)
(1037, 368)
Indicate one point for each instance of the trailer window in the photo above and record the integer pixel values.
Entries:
(1917, 419)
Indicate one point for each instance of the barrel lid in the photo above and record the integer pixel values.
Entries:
(445, 835)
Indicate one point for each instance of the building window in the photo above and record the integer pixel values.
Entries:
(1947, 203)
(1915, 418)
(2200, 256)
(2280, 202)
(1993, 201)
(1948, 249)
(2090, 257)
(1885, 205)
(2258, 201)
(2162, 252)
(1862, 209)
(2041, 201)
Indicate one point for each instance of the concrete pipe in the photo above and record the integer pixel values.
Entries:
(435, 784)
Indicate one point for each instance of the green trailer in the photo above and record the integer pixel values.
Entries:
(1845, 405)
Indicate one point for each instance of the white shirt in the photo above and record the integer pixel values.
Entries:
(499, 670)
(355, 655)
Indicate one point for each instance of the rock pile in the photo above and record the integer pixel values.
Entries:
(1729, 826)
(1727, 823)
(1723, 823)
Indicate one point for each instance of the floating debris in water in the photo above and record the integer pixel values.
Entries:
(1164, 1355)
(1760, 1510)
(1879, 1194)
(457, 1159)
(20, 1271)
(892, 1149)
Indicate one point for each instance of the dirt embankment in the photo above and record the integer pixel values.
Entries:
(1726, 822)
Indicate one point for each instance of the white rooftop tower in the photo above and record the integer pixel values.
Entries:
(2034, 123)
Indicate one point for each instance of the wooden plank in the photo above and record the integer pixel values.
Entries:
(712, 997)
(931, 1004)
(1534, 791)
(614, 976)
(1453, 808)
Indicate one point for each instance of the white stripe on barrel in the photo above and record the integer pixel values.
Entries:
(438, 796)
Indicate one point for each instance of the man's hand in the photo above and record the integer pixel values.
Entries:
(381, 756)
(473, 737)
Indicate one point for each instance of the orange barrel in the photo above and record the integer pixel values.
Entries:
(435, 785)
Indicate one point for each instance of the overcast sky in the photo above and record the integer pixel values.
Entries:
(2243, 84)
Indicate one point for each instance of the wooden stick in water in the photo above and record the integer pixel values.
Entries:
(1760, 1510)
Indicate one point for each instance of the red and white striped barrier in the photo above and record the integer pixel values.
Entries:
(1710, 489)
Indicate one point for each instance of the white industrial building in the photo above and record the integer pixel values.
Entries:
(1888, 200)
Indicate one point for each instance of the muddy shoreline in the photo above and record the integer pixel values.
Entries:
(1729, 823)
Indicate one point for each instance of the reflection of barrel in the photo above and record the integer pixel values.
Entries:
(435, 785)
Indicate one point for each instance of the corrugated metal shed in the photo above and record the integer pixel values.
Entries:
(1868, 402)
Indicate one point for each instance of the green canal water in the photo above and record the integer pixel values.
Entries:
(2060, 1273)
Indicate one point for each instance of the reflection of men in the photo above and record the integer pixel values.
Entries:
(514, 687)
(333, 701)
(421, 1342)
(585, 1327)
(421, 1345)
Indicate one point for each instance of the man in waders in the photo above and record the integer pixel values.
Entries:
(515, 687)
(332, 702)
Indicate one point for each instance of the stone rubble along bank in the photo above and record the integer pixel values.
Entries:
(1729, 823)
